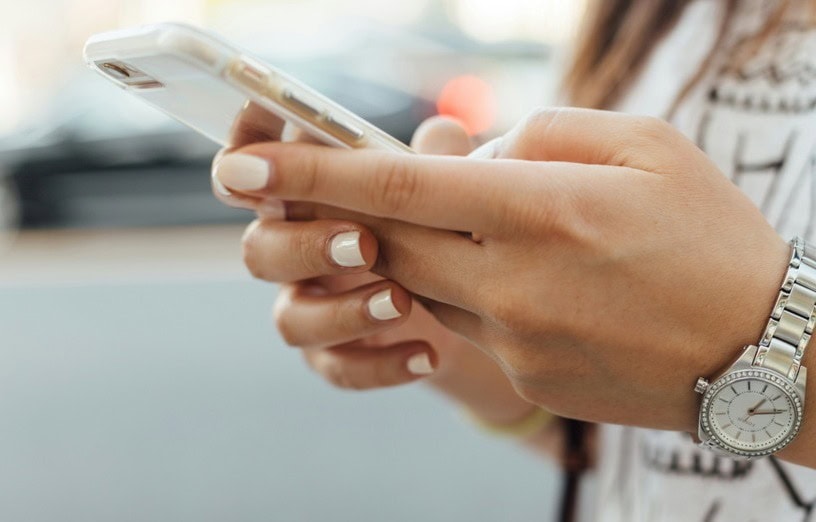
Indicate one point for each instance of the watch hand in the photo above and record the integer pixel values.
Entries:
(760, 403)
(772, 412)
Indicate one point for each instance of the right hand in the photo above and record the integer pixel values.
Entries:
(331, 311)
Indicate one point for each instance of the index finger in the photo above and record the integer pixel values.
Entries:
(452, 193)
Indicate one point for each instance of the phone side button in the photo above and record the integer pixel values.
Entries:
(299, 106)
(344, 129)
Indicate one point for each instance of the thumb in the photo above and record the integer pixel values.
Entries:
(596, 137)
(442, 136)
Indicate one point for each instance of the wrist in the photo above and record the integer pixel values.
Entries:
(801, 449)
(775, 365)
(738, 321)
(752, 307)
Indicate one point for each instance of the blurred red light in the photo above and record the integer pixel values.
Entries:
(471, 100)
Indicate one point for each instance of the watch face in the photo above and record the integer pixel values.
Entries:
(751, 412)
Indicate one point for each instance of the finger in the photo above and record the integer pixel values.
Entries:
(434, 263)
(269, 208)
(429, 262)
(489, 150)
(292, 133)
(255, 124)
(226, 196)
(595, 137)
(282, 251)
(309, 319)
(443, 192)
(357, 367)
(442, 136)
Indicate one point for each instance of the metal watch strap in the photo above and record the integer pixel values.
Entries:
(793, 318)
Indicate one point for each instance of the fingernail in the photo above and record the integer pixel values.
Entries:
(219, 187)
(382, 307)
(345, 250)
(272, 209)
(242, 172)
(420, 364)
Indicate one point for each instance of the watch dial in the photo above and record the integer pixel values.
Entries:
(752, 414)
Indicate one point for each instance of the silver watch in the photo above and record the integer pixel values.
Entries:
(754, 408)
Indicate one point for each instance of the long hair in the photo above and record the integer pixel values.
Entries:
(617, 37)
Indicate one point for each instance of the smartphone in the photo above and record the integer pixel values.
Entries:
(222, 91)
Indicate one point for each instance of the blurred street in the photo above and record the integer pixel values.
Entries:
(141, 378)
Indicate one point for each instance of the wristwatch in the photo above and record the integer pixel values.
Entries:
(754, 408)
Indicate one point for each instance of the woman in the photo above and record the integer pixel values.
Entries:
(599, 277)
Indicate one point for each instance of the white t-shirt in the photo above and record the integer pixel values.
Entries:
(758, 124)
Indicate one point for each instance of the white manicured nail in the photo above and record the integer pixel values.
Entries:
(242, 172)
(420, 364)
(382, 307)
(219, 187)
(345, 250)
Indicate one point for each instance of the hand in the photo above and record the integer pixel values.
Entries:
(323, 308)
(616, 263)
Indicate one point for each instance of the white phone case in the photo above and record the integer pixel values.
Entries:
(221, 91)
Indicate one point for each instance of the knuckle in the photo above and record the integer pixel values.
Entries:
(394, 187)
(310, 358)
(652, 145)
(347, 320)
(308, 172)
(335, 375)
(251, 250)
(288, 333)
(331, 369)
(283, 321)
(531, 218)
(383, 374)
(309, 252)
(539, 119)
(653, 129)
(538, 127)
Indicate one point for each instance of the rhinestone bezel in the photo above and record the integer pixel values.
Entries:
(780, 382)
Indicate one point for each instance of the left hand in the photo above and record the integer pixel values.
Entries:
(615, 263)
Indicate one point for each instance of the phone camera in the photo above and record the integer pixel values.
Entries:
(117, 71)
(128, 75)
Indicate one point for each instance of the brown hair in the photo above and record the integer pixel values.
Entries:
(617, 37)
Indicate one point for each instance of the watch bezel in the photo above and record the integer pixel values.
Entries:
(756, 373)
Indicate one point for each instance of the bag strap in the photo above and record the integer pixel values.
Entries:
(576, 462)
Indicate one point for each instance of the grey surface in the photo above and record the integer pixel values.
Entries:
(178, 402)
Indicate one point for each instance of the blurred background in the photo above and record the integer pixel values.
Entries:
(140, 376)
